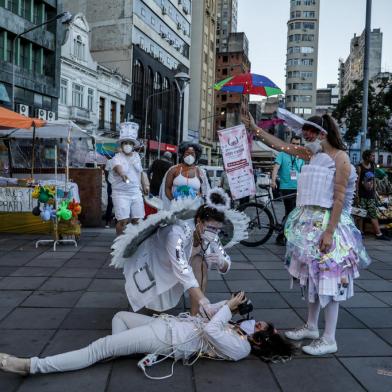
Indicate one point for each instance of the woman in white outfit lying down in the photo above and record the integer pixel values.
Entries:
(186, 338)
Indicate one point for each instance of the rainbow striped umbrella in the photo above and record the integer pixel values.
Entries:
(248, 83)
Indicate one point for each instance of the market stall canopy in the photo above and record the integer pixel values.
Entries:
(53, 130)
(11, 120)
(261, 150)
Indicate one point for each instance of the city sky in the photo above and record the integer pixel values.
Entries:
(265, 24)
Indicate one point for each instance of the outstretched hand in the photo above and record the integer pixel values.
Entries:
(236, 300)
(325, 242)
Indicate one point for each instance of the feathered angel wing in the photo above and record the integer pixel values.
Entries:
(235, 228)
(125, 245)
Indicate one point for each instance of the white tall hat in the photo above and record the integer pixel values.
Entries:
(129, 131)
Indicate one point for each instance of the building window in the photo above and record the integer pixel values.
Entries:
(63, 91)
(380, 159)
(79, 48)
(113, 115)
(90, 99)
(77, 95)
(143, 12)
(389, 160)
(307, 49)
(308, 25)
(101, 113)
(24, 55)
(309, 14)
(307, 37)
(122, 113)
(224, 71)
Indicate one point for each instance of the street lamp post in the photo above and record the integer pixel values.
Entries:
(182, 80)
(146, 119)
(66, 17)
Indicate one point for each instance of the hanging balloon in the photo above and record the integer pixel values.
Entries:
(36, 191)
(37, 210)
(75, 208)
(63, 212)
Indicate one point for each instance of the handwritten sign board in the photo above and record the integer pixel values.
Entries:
(16, 199)
(237, 161)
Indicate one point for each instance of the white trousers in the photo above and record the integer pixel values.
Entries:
(131, 334)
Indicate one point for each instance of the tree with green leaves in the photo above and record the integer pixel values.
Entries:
(349, 111)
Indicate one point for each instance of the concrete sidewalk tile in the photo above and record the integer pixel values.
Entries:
(315, 374)
(364, 300)
(92, 255)
(7, 270)
(21, 282)
(386, 334)
(215, 275)
(69, 340)
(34, 271)
(374, 285)
(374, 373)
(54, 255)
(125, 369)
(51, 263)
(10, 382)
(269, 265)
(275, 274)
(85, 263)
(217, 286)
(65, 284)
(116, 285)
(24, 343)
(295, 299)
(374, 317)
(12, 298)
(109, 273)
(34, 318)
(368, 275)
(92, 379)
(250, 286)
(283, 286)
(103, 299)
(53, 299)
(267, 300)
(12, 261)
(240, 275)
(239, 265)
(345, 319)
(4, 311)
(245, 375)
(281, 318)
(361, 342)
(88, 318)
(66, 272)
(385, 274)
(384, 296)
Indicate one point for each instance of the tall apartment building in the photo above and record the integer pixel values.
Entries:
(227, 11)
(37, 57)
(351, 70)
(147, 41)
(327, 99)
(302, 54)
(202, 72)
(231, 108)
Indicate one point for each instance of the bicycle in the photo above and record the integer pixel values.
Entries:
(263, 220)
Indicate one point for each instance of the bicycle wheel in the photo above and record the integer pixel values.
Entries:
(261, 224)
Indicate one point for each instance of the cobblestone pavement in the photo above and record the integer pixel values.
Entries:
(52, 302)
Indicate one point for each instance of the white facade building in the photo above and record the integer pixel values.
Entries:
(91, 95)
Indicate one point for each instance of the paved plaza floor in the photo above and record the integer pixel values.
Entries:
(52, 302)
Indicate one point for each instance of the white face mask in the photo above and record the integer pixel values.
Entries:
(209, 236)
(127, 148)
(189, 160)
(314, 146)
(248, 326)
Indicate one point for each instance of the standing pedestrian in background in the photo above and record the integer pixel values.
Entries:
(158, 170)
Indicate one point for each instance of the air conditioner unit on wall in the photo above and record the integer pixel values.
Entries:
(40, 113)
(50, 116)
(164, 11)
(163, 35)
(23, 109)
(179, 26)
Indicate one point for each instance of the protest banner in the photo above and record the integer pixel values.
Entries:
(237, 161)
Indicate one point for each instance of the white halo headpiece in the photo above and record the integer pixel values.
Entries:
(218, 206)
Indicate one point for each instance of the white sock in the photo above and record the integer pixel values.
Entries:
(313, 314)
(331, 319)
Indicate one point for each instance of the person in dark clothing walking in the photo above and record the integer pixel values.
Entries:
(158, 170)
(366, 192)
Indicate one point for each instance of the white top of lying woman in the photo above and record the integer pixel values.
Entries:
(155, 254)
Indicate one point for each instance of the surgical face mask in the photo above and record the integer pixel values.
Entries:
(189, 160)
(127, 148)
(209, 236)
(248, 326)
(314, 146)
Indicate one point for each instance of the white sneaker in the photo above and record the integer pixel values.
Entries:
(302, 333)
(320, 347)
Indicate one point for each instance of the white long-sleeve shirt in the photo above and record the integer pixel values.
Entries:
(222, 338)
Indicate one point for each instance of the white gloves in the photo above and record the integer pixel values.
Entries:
(207, 309)
(214, 259)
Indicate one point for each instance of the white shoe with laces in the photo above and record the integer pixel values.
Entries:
(320, 347)
(303, 332)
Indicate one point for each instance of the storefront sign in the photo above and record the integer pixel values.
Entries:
(237, 161)
(154, 146)
(15, 199)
